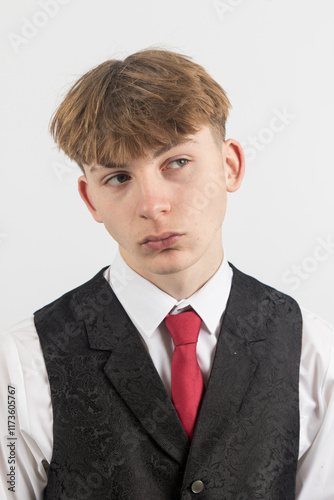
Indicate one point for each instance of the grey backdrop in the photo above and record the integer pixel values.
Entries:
(275, 60)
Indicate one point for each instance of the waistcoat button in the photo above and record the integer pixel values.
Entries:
(197, 486)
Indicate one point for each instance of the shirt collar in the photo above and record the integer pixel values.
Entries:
(147, 305)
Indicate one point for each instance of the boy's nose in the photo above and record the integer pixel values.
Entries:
(153, 200)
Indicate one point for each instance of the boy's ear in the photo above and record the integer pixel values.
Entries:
(234, 162)
(85, 194)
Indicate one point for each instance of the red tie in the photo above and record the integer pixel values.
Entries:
(187, 380)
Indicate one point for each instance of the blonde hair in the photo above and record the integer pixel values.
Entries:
(122, 109)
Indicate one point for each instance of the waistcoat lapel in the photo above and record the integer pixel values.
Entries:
(131, 371)
(235, 361)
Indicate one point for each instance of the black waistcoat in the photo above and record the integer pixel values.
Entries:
(116, 433)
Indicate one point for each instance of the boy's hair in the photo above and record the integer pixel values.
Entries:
(122, 109)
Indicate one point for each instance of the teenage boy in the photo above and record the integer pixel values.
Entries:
(170, 374)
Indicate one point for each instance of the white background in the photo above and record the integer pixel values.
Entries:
(271, 56)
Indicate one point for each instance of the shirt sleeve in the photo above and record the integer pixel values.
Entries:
(25, 414)
(315, 478)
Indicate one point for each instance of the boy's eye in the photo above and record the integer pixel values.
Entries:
(181, 162)
(118, 179)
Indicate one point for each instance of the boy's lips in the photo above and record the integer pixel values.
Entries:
(161, 241)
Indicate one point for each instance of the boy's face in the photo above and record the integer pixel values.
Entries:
(165, 210)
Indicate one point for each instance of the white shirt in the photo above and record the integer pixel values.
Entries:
(22, 367)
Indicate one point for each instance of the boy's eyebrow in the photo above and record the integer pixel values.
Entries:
(172, 145)
(95, 168)
(157, 153)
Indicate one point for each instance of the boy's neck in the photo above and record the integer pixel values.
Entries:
(185, 283)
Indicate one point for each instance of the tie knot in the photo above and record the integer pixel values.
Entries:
(183, 327)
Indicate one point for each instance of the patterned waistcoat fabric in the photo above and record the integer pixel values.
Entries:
(116, 433)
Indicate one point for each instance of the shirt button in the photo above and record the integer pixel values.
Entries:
(197, 486)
